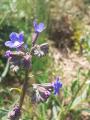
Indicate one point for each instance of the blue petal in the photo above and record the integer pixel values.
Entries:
(21, 37)
(8, 44)
(13, 36)
(57, 85)
(17, 44)
(40, 27)
(35, 24)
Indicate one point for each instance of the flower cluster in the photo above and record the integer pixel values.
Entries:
(20, 57)
(15, 113)
(41, 92)
(18, 54)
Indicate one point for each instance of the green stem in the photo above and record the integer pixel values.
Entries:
(62, 114)
(3, 75)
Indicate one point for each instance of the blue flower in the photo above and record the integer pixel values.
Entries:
(57, 85)
(38, 27)
(16, 40)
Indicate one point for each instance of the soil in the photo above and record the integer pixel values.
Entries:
(68, 64)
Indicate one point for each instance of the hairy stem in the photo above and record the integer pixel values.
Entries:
(23, 89)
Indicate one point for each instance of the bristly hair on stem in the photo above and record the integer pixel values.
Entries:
(24, 88)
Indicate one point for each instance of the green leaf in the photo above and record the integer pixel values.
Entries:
(80, 98)
(3, 112)
(75, 86)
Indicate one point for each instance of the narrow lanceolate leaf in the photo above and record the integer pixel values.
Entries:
(79, 99)
(3, 75)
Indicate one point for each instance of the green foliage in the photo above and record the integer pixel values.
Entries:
(18, 15)
(78, 95)
(66, 105)
(86, 41)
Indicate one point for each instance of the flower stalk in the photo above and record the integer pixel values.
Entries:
(24, 88)
(20, 57)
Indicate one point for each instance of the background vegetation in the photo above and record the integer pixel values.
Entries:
(68, 26)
